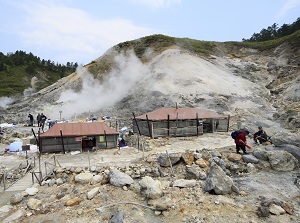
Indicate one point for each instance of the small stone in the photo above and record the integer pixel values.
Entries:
(276, 209)
(72, 202)
(243, 193)
(287, 207)
(156, 213)
(165, 213)
(32, 191)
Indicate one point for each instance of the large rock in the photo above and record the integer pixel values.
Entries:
(151, 188)
(283, 138)
(261, 154)
(195, 172)
(34, 204)
(119, 179)
(188, 157)
(250, 159)
(217, 181)
(16, 198)
(165, 159)
(97, 179)
(220, 162)
(84, 178)
(294, 150)
(282, 160)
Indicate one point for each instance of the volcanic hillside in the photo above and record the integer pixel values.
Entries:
(257, 81)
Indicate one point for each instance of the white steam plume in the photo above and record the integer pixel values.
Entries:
(5, 101)
(95, 96)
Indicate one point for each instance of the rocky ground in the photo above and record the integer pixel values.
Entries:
(206, 182)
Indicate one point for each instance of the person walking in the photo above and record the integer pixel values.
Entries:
(43, 120)
(241, 141)
(38, 119)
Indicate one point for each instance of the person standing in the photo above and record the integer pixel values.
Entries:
(38, 119)
(30, 120)
(43, 120)
(241, 141)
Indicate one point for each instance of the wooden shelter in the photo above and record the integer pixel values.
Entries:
(179, 122)
(65, 137)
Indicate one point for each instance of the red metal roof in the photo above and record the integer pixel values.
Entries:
(179, 113)
(78, 129)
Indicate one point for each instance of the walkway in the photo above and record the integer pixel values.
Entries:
(22, 184)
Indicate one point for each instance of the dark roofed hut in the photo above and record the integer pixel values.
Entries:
(179, 122)
(78, 136)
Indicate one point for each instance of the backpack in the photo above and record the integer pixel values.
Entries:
(234, 134)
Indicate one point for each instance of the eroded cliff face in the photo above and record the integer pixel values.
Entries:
(260, 87)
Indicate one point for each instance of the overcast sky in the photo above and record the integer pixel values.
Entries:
(82, 30)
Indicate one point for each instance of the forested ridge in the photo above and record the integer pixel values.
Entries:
(274, 32)
(17, 70)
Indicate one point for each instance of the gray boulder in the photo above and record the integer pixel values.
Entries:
(164, 159)
(282, 160)
(151, 188)
(261, 154)
(283, 138)
(217, 181)
(119, 179)
(219, 162)
(84, 178)
(294, 150)
(250, 159)
(16, 198)
(195, 172)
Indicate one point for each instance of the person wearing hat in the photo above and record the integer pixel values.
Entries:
(260, 136)
(240, 141)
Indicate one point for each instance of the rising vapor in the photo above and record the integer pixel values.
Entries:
(94, 95)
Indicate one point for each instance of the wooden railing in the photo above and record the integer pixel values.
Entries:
(45, 169)
(7, 177)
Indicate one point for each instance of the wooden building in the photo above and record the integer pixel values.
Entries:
(65, 137)
(179, 122)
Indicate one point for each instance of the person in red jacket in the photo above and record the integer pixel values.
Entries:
(241, 141)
